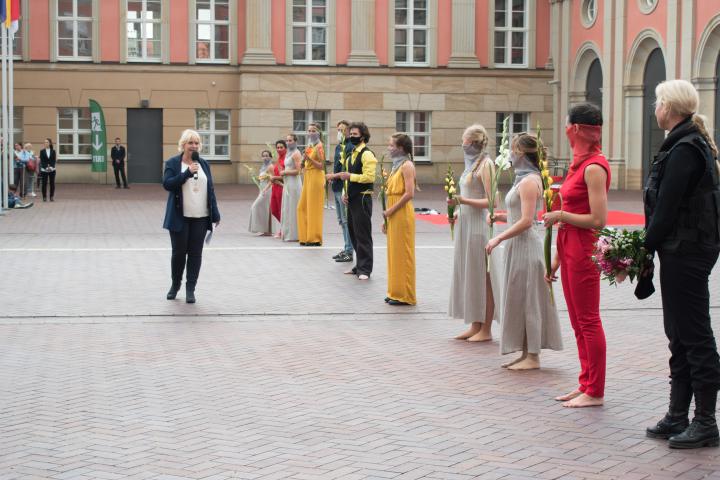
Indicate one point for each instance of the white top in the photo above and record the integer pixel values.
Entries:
(195, 197)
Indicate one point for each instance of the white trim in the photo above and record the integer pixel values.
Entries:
(584, 57)
(212, 23)
(309, 25)
(310, 118)
(528, 18)
(707, 50)
(142, 56)
(638, 55)
(431, 37)
(75, 131)
(585, 11)
(410, 29)
(645, 6)
(75, 39)
(213, 132)
(410, 132)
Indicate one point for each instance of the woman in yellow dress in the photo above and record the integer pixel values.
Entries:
(400, 222)
(310, 207)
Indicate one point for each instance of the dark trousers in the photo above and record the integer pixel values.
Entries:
(119, 172)
(686, 312)
(45, 177)
(19, 180)
(187, 245)
(359, 220)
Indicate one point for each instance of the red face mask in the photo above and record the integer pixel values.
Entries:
(571, 135)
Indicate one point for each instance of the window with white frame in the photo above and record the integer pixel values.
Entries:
(17, 124)
(144, 30)
(588, 13)
(518, 122)
(416, 125)
(74, 29)
(411, 32)
(17, 42)
(212, 31)
(511, 33)
(303, 118)
(214, 129)
(74, 133)
(310, 24)
(647, 6)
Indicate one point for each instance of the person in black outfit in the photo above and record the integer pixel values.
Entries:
(359, 175)
(343, 149)
(48, 160)
(117, 154)
(191, 210)
(682, 205)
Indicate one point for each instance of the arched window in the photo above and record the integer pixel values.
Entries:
(594, 83)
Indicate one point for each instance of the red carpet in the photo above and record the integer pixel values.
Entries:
(615, 218)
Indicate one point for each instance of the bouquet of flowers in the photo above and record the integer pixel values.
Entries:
(548, 198)
(451, 191)
(383, 187)
(502, 163)
(253, 176)
(619, 254)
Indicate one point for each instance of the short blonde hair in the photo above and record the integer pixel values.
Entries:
(186, 136)
(27, 145)
(476, 134)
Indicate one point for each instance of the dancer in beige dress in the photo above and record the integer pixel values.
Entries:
(471, 293)
(529, 317)
(292, 189)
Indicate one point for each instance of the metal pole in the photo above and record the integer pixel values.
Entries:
(6, 158)
(11, 101)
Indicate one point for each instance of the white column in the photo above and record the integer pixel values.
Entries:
(463, 35)
(258, 29)
(362, 50)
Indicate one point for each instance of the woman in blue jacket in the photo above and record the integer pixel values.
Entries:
(191, 211)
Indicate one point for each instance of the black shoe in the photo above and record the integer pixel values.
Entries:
(675, 420)
(302, 244)
(335, 257)
(189, 296)
(345, 257)
(394, 302)
(387, 299)
(44, 199)
(172, 293)
(703, 430)
(52, 199)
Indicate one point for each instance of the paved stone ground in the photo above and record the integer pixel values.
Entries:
(286, 368)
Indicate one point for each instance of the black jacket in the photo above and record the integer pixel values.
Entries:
(46, 161)
(117, 153)
(173, 180)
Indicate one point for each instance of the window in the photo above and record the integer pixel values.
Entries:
(74, 133)
(511, 33)
(647, 6)
(519, 122)
(301, 120)
(74, 18)
(588, 13)
(212, 31)
(411, 34)
(144, 29)
(17, 42)
(417, 126)
(214, 129)
(17, 124)
(309, 42)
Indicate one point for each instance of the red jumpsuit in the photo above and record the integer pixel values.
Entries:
(277, 190)
(579, 275)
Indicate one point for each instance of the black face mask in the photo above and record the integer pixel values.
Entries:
(355, 140)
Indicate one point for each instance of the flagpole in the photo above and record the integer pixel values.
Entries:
(5, 150)
(11, 102)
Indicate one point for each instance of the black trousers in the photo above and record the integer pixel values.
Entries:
(686, 314)
(360, 227)
(119, 172)
(45, 177)
(187, 246)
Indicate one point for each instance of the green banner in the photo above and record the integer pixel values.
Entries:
(98, 137)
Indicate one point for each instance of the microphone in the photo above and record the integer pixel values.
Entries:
(195, 159)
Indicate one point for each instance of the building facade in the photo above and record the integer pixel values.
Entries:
(614, 53)
(247, 72)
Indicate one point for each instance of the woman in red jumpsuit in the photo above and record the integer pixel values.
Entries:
(584, 211)
(277, 188)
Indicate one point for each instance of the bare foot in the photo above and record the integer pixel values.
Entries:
(531, 362)
(584, 400)
(468, 333)
(480, 337)
(519, 359)
(568, 396)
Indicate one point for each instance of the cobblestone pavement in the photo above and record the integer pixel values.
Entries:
(286, 368)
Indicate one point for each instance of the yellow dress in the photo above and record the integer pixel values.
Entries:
(400, 243)
(312, 199)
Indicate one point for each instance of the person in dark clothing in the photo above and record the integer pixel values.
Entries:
(343, 149)
(48, 161)
(117, 154)
(682, 204)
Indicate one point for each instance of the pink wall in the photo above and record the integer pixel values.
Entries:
(638, 21)
(40, 39)
(542, 32)
(110, 31)
(278, 30)
(444, 32)
(580, 34)
(241, 33)
(381, 31)
(704, 12)
(179, 32)
(481, 32)
(342, 31)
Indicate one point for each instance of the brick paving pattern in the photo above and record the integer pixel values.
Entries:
(288, 369)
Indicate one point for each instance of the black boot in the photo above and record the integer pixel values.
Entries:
(189, 293)
(174, 288)
(703, 430)
(675, 420)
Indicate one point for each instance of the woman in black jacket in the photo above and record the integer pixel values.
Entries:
(682, 204)
(191, 210)
(48, 159)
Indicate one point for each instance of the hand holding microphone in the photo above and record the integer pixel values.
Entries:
(195, 158)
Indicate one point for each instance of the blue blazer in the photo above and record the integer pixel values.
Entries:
(173, 180)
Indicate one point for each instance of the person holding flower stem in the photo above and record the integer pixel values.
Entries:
(312, 198)
(261, 221)
(471, 290)
(530, 320)
(292, 189)
(584, 194)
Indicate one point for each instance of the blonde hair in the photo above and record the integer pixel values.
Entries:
(186, 136)
(477, 134)
(682, 99)
(27, 145)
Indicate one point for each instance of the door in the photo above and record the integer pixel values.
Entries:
(653, 136)
(595, 83)
(144, 145)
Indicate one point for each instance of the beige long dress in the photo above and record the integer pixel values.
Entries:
(292, 189)
(527, 308)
